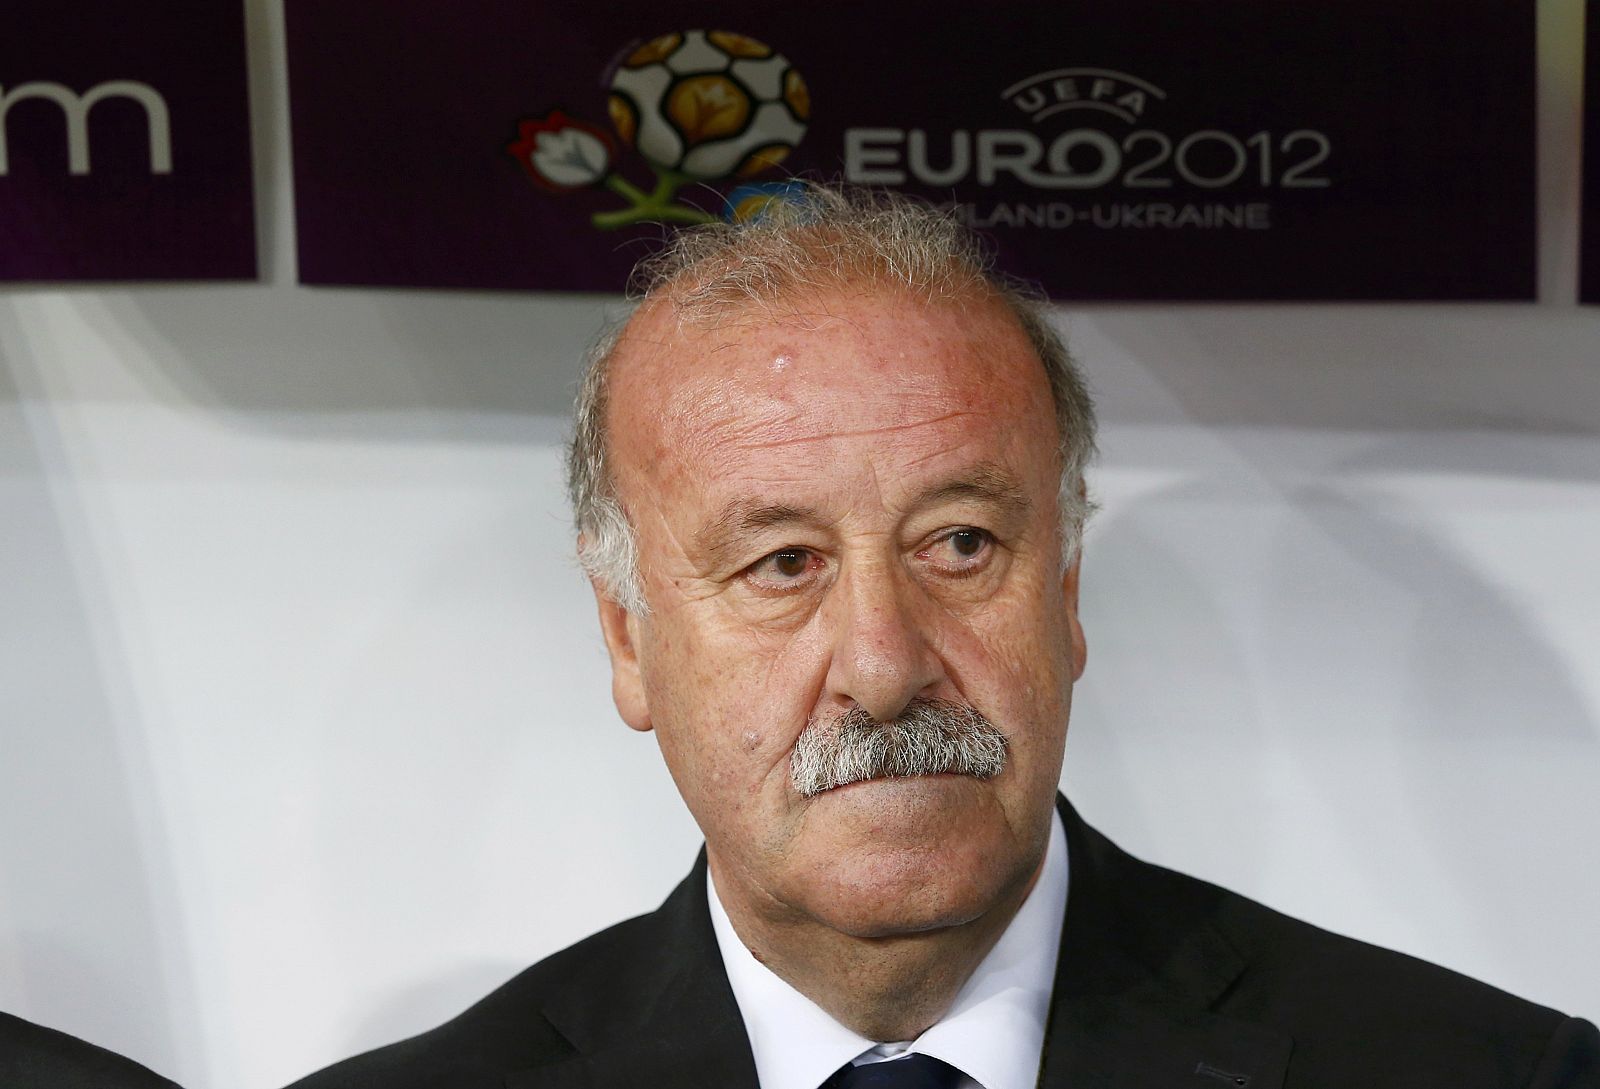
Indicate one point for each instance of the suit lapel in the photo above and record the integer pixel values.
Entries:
(1100, 1045)
(1140, 970)
(670, 1021)
(1140, 973)
(692, 1063)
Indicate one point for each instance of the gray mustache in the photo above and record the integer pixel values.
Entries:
(930, 737)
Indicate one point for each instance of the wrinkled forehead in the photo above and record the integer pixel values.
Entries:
(840, 337)
(686, 389)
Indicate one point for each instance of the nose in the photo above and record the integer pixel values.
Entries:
(882, 654)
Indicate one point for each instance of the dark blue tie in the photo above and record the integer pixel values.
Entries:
(911, 1072)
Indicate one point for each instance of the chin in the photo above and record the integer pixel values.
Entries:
(906, 856)
(893, 897)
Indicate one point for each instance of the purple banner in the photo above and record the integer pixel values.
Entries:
(1136, 149)
(1589, 246)
(125, 141)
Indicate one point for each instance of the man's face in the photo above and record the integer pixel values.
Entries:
(849, 502)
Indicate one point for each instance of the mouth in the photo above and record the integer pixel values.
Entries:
(905, 781)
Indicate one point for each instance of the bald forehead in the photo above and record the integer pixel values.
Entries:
(812, 374)
(664, 345)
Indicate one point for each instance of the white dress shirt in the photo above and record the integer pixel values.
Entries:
(994, 1032)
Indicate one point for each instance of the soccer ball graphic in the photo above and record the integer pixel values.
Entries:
(709, 104)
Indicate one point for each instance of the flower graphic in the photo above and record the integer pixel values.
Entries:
(561, 153)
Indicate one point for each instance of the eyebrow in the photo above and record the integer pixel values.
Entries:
(984, 482)
(741, 517)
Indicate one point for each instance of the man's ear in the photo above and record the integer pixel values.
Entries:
(621, 630)
(1069, 594)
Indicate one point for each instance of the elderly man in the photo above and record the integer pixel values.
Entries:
(828, 488)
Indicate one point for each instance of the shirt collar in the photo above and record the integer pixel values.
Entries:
(994, 1031)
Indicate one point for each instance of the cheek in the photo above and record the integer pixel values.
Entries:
(728, 702)
(1014, 664)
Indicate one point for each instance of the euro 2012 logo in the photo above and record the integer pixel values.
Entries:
(699, 106)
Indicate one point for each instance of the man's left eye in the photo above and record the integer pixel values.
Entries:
(968, 542)
(961, 548)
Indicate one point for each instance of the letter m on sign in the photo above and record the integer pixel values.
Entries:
(75, 111)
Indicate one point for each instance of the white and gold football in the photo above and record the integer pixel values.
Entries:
(709, 104)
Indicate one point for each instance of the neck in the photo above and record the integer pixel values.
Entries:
(885, 988)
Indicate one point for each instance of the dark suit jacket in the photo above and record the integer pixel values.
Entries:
(35, 1057)
(1163, 982)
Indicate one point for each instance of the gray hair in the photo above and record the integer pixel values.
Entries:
(829, 237)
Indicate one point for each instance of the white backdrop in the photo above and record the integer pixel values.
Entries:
(307, 740)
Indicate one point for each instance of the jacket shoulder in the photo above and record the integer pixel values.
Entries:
(505, 1030)
(35, 1057)
(1362, 1014)
(1305, 964)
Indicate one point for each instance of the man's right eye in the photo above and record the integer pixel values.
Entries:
(785, 568)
